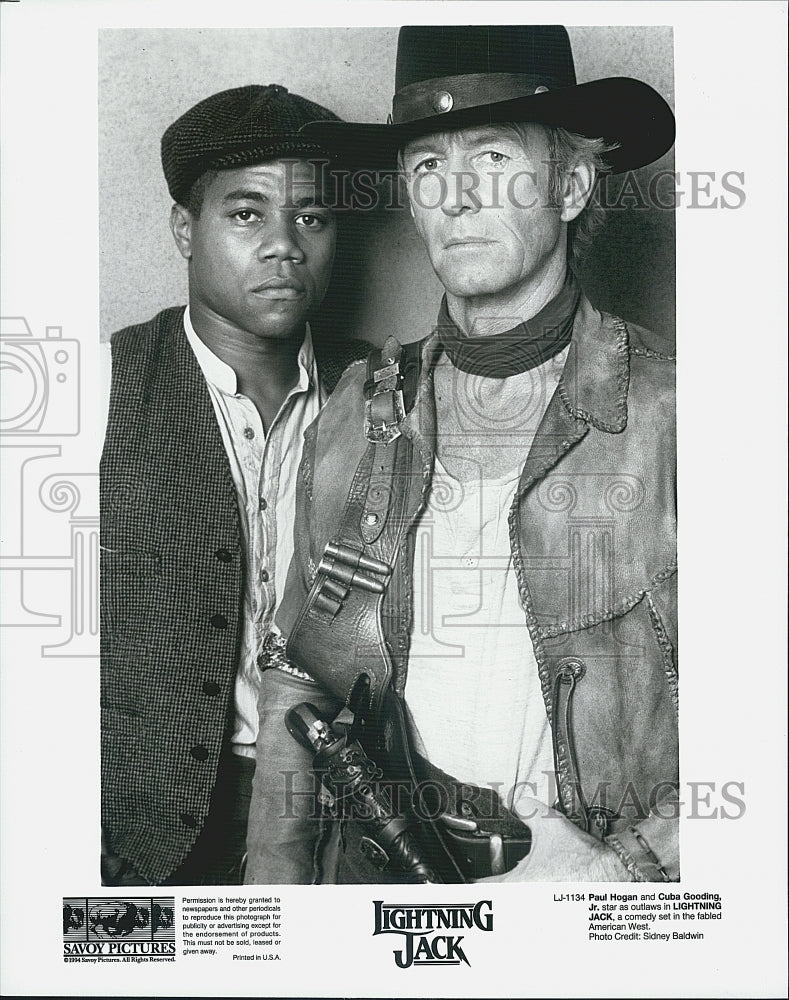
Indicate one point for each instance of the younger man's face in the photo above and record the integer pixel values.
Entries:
(481, 201)
(261, 250)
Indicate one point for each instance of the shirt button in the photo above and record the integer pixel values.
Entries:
(219, 621)
(188, 820)
(249, 433)
(223, 555)
(264, 576)
(263, 503)
(199, 752)
(210, 688)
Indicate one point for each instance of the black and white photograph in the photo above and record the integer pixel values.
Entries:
(481, 600)
(350, 468)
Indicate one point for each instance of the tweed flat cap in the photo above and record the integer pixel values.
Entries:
(238, 128)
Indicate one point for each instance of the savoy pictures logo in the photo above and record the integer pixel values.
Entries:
(430, 932)
(121, 930)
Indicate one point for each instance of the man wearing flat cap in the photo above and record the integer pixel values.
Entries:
(484, 571)
(207, 411)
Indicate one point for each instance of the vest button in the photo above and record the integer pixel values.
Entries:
(223, 555)
(188, 820)
(211, 688)
(199, 752)
(219, 621)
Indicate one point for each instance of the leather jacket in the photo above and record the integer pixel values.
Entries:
(592, 534)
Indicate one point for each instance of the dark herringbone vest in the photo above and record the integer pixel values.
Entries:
(171, 594)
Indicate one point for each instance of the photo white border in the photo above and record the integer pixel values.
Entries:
(730, 63)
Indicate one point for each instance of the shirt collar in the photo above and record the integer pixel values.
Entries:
(222, 376)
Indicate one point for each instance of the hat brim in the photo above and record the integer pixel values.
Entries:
(620, 110)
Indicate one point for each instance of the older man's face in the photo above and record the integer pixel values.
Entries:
(481, 201)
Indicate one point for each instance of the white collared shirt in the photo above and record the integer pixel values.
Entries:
(264, 467)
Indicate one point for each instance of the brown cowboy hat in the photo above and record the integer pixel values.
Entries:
(452, 77)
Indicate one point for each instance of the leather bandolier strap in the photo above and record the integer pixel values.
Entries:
(338, 637)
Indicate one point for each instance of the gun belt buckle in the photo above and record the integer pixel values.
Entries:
(467, 832)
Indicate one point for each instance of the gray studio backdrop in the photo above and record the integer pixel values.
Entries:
(383, 282)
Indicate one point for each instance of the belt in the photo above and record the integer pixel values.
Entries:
(244, 750)
(481, 851)
(482, 835)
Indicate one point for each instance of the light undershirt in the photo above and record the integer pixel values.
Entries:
(473, 689)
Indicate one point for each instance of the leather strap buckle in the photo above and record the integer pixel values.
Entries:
(383, 413)
(384, 407)
(342, 567)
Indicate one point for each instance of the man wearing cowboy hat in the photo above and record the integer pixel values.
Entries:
(484, 572)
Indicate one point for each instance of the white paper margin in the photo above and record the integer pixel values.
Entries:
(730, 64)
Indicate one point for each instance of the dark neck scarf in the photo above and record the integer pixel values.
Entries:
(524, 347)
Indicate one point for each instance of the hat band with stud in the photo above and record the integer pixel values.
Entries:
(427, 98)
(453, 77)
